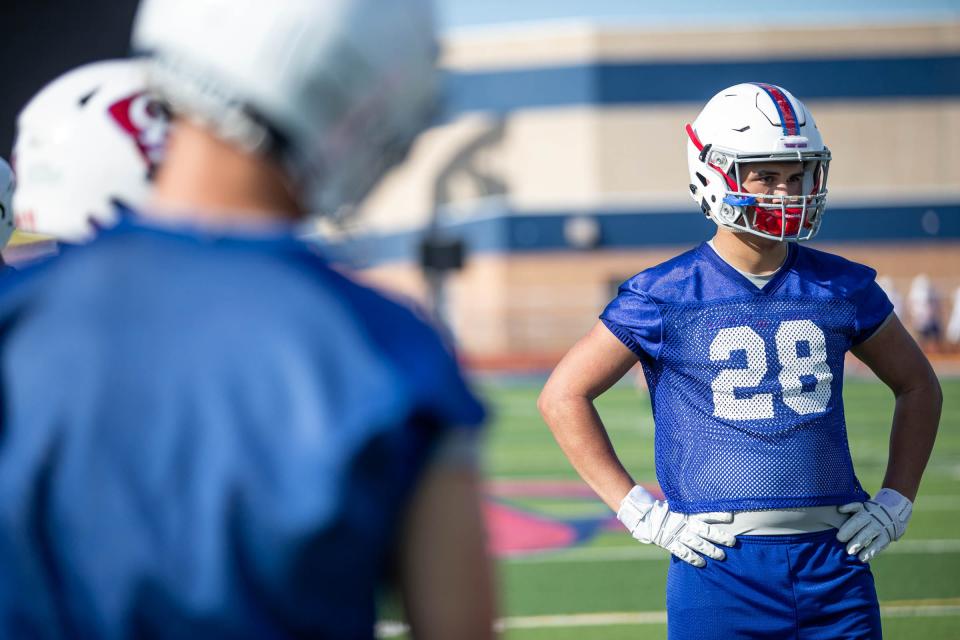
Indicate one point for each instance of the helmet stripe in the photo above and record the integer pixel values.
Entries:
(788, 116)
(695, 139)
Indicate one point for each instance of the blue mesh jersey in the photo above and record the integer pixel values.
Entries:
(207, 436)
(745, 383)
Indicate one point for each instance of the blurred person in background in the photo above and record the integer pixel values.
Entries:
(953, 325)
(923, 303)
(889, 288)
(7, 188)
(742, 340)
(89, 140)
(209, 433)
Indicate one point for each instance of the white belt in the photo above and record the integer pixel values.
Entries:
(782, 522)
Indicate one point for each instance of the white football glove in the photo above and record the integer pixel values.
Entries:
(874, 523)
(686, 536)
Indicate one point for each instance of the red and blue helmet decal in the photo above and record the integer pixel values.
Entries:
(788, 115)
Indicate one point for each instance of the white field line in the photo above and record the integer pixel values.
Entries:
(936, 503)
(913, 609)
(393, 629)
(644, 552)
(583, 620)
(921, 611)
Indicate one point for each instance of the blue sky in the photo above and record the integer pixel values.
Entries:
(694, 13)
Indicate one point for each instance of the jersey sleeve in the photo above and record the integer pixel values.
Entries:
(873, 309)
(438, 391)
(635, 319)
(443, 389)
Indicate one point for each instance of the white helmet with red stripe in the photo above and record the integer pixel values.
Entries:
(91, 137)
(751, 123)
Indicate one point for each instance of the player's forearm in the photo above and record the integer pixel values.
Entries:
(578, 430)
(915, 422)
(445, 576)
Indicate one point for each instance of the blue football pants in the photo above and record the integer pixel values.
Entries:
(796, 587)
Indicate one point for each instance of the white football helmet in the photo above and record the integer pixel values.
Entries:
(336, 90)
(7, 185)
(751, 123)
(91, 137)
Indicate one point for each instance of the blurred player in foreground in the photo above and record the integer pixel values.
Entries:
(209, 433)
(88, 140)
(742, 342)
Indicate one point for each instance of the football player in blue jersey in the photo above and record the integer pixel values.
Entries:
(207, 431)
(742, 341)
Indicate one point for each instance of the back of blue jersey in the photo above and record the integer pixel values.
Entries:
(207, 436)
(746, 383)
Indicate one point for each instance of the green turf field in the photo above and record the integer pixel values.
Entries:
(612, 587)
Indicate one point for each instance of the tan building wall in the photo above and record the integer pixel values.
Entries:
(582, 157)
(587, 155)
(526, 46)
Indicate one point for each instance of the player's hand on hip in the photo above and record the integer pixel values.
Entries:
(874, 524)
(688, 537)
